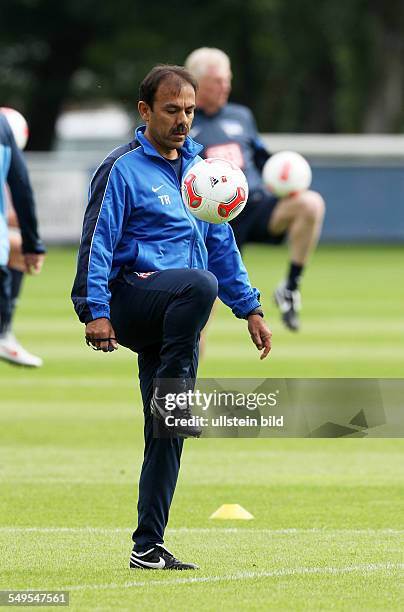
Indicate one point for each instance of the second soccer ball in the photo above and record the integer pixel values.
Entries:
(286, 173)
(18, 125)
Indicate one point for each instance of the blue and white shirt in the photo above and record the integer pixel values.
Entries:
(13, 171)
(232, 134)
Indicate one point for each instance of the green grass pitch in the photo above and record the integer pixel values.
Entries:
(328, 526)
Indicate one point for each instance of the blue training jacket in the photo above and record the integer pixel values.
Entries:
(136, 218)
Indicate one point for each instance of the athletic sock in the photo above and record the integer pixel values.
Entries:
(295, 273)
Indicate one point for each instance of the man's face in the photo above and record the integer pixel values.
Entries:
(170, 119)
(214, 88)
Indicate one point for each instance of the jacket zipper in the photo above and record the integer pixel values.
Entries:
(191, 221)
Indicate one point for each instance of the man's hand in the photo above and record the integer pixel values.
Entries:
(33, 262)
(260, 334)
(100, 334)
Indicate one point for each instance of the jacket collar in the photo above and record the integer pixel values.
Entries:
(189, 150)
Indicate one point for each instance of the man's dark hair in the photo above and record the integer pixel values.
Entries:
(177, 75)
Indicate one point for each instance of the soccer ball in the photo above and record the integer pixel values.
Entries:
(18, 125)
(286, 173)
(215, 190)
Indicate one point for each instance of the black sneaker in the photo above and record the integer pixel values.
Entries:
(158, 557)
(181, 421)
(289, 304)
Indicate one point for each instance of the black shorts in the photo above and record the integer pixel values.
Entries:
(251, 225)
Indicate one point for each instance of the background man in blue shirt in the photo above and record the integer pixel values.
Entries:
(229, 131)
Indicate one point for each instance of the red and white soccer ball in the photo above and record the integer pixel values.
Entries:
(215, 190)
(286, 173)
(18, 125)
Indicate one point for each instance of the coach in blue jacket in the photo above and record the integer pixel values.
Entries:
(148, 274)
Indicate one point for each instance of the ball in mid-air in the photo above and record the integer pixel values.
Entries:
(18, 125)
(215, 190)
(286, 173)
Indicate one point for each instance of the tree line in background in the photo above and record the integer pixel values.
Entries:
(302, 65)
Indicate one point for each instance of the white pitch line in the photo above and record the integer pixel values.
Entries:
(279, 573)
(226, 530)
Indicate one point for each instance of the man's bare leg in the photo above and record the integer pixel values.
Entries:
(301, 216)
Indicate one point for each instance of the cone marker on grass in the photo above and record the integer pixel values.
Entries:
(230, 512)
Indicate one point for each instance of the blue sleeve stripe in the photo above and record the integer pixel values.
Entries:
(102, 202)
(79, 292)
(98, 189)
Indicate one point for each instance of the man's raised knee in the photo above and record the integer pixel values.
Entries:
(312, 205)
(204, 285)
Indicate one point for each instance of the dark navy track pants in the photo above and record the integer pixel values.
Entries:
(5, 299)
(160, 317)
